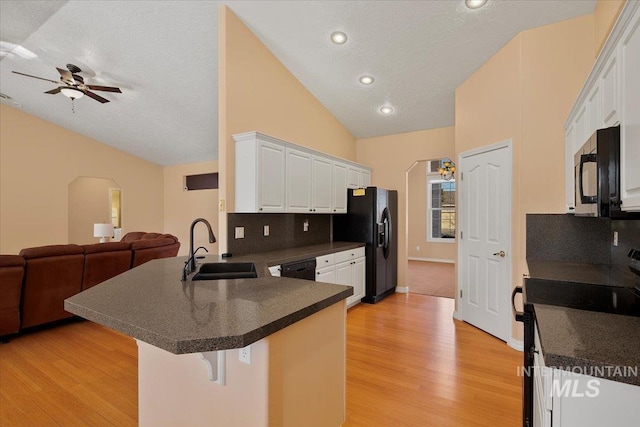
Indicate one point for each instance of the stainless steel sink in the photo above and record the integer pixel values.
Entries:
(226, 270)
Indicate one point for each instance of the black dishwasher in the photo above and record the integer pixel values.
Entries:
(305, 269)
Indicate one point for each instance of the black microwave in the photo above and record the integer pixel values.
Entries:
(597, 176)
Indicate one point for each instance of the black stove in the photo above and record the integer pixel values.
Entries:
(605, 299)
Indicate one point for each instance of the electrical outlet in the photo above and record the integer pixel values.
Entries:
(266, 230)
(239, 232)
(417, 248)
(244, 355)
(305, 226)
(615, 238)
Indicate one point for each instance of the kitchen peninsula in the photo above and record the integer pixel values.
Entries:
(191, 335)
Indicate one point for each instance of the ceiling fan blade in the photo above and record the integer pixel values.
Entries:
(105, 88)
(40, 78)
(67, 77)
(54, 91)
(96, 97)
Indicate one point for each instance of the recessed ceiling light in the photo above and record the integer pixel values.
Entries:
(366, 80)
(387, 109)
(474, 4)
(338, 37)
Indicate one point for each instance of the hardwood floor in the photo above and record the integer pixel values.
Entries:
(408, 364)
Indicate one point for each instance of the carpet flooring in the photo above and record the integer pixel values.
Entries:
(431, 278)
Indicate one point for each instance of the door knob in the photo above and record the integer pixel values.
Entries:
(501, 253)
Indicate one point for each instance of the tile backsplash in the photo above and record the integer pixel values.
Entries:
(285, 231)
(567, 238)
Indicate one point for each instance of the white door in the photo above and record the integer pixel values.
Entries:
(326, 274)
(359, 278)
(485, 239)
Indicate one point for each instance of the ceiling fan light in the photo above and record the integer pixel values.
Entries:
(475, 4)
(72, 93)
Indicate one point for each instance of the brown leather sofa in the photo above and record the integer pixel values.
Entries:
(52, 274)
(34, 285)
(148, 246)
(11, 274)
(103, 261)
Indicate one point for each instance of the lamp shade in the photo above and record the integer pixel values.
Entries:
(102, 230)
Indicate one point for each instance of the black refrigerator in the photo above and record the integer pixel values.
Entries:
(372, 215)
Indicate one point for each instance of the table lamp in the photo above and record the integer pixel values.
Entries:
(103, 231)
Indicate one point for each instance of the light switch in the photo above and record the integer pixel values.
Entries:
(615, 238)
(239, 232)
(266, 230)
(305, 226)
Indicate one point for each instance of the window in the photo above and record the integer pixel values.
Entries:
(441, 206)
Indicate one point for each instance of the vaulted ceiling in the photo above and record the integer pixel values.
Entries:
(163, 55)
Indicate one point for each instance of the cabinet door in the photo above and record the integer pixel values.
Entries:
(343, 273)
(595, 110)
(353, 177)
(326, 274)
(630, 115)
(580, 133)
(609, 85)
(271, 178)
(365, 178)
(321, 169)
(339, 193)
(358, 278)
(298, 181)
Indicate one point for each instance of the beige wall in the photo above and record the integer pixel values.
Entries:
(390, 168)
(257, 93)
(605, 15)
(182, 207)
(89, 203)
(417, 219)
(38, 160)
(524, 93)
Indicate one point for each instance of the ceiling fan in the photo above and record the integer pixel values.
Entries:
(72, 85)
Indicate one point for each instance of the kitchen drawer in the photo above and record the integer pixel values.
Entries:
(349, 255)
(325, 260)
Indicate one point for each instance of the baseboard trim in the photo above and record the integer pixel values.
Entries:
(447, 261)
(457, 315)
(402, 289)
(516, 344)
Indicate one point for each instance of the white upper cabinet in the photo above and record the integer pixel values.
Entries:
(261, 161)
(321, 171)
(629, 54)
(611, 96)
(353, 177)
(277, 176)
(339, 191)
(298, 181)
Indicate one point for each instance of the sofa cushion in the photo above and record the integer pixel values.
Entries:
(106, 247)
(132, 236)
(102, 261)
(148, 236)
(51, 251)
(11, 275)
(52, 274)
(151, 243)
(11, 261)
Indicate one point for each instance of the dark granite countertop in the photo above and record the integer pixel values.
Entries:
(152, 304)
(596, 274)
(597, 344)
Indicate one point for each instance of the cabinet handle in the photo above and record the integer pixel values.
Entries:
(260, 209)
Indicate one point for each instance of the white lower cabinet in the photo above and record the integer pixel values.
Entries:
(562, 398)
(344, 268)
